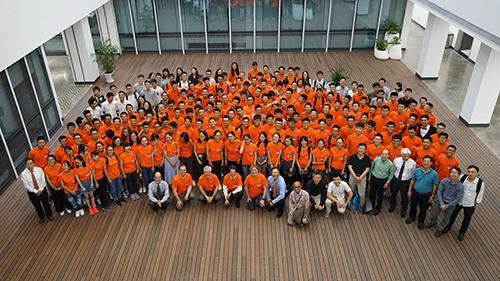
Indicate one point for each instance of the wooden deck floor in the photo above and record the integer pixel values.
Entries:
(215, 243)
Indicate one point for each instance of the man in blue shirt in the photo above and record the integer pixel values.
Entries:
(450, 192)
(277, 192)
(423, 186)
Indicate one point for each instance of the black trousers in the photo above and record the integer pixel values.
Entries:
(188, 161)
(155, 206)
(421, 200)
(235, 197)
(60, 200)
(198, 168)
(217, 168)
(303, 179)
(397, 186)
(132, 182)
(377, 191)
(468, 212)
(280, 205)
(38, 201)
(103, 186)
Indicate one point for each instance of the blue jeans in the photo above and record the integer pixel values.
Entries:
(147, 176)
(75, 201)
(116, 188)
(246, 171)
(254, 201)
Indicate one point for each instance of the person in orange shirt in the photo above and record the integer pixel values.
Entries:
(338, 158)
(424, 150)
(233, 74)
(52, 172)
(278, 129)
(308, 132)
(440, 128)
(256, 187)
(253, 72)
(400, 116)
(274, 151)
(319, 157)
(412, 121)
(172, 153)
(72, 187)
(387, 135)
(342, 120)
(100, 181)
(186, 151)
(370, 132)
(232, 187)
(158, 154)
(209, 186)
(289, 160)
(359, 94)
(111, 168)
(86, 179)
(395, 148)
(411, 141)
(442, 146)
(382, 120)
(181, 188)
(249, 153)
(292, 131)
(445, 162)
(145, 158)
(40, 153)
(200, 156)
(374, 150)
(232, 150)
(348, 129)
(393, 102)
(215, 153)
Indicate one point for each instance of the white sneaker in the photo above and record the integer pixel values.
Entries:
(82, 212)
(305, 221)
(77, 214)
(61, 213)
(327, 215)
(68, 211)
(98, 201)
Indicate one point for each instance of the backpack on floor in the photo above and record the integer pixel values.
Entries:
(354, 203)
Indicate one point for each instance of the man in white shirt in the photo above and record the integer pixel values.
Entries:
(336, 194)
(131, 96)
(157, 90)
(319, 81)
(158, 193)
(342, 89)
(387, 91)
(404, 167)
(109, 106)
(148, 93)
(33, 180)
(122, 103)
(473, 195)
(94, 108)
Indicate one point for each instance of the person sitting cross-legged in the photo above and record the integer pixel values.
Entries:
(158, 193)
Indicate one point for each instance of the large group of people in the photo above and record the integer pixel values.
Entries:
(265, 137)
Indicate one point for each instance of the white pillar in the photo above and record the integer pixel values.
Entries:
(484, 87)
(107, 22)
(80, 50)
(406, 23)
(431, 54)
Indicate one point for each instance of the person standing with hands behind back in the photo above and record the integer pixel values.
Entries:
(33, 180)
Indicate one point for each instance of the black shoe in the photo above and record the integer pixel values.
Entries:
(106, 207)
(279, 215)
(403, 214)
(429, 225)
(123, 201)
(445, 230)
(461, 236)
(237, 204)
(204, 202)
(409, 220)
(118, 203)
(376, 212)
(40, 221)
(51, 218)
(391, 209)
(438, 233)
(420, 225)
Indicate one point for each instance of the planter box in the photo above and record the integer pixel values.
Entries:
(395, 52)
(109, 77)
(381, 55)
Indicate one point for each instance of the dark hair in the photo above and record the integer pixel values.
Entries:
(473, 167)
(80, 158)
(456, 169)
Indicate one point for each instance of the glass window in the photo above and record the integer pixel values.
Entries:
(341, 24)
(55, 46)
(35, 129)
(6, 173)
(40, 77)
(242, 25)
(193, 25)
(125, 32)
(10, 122)
(24, 91)
(366, 23)
(144, 25)
(292, 13)
(51, 117)
(266, 25)
(95, 30)
(19, 150)
(217, 25)
(168, 25)
(316, 24)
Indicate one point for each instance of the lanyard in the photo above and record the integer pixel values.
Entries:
(297, 201)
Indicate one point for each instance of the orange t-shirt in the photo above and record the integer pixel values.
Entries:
(145, 155)
(303, 156)
(208, 184)
(83, 173)
(274, 151)
(215, 149)
(232, 184)
(444, 165)
(420, 152)
(295, 136)
(399, 119)
(233, 150)
(338, 158)
(345, 132)
(261, 150)
(381, 123)
(394, 153)
(440, 149)
(248, 155)
(288, 153)
(69, 180)
(181, 184)
(98, 170)
(201, 147)
(53, 174)
(129, 162)
(410, 143)
(40, 156)
(158, 157)
(320, 156)
(373, 152)
(171, 149)
(186, 148)
(255, 185)
(353, 141)
(113, 168)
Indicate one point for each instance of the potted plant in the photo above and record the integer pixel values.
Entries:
(381, 52)
(395, 50)
(106, 57)
(337, 74)
(392, 29)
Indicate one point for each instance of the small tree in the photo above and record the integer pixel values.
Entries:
(382, 44)
(106, 56)
(337, 74)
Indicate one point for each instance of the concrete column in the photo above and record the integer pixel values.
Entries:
(107, 23)
(431, 54)
(484, 88)
(405, 30)
(80, 49)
